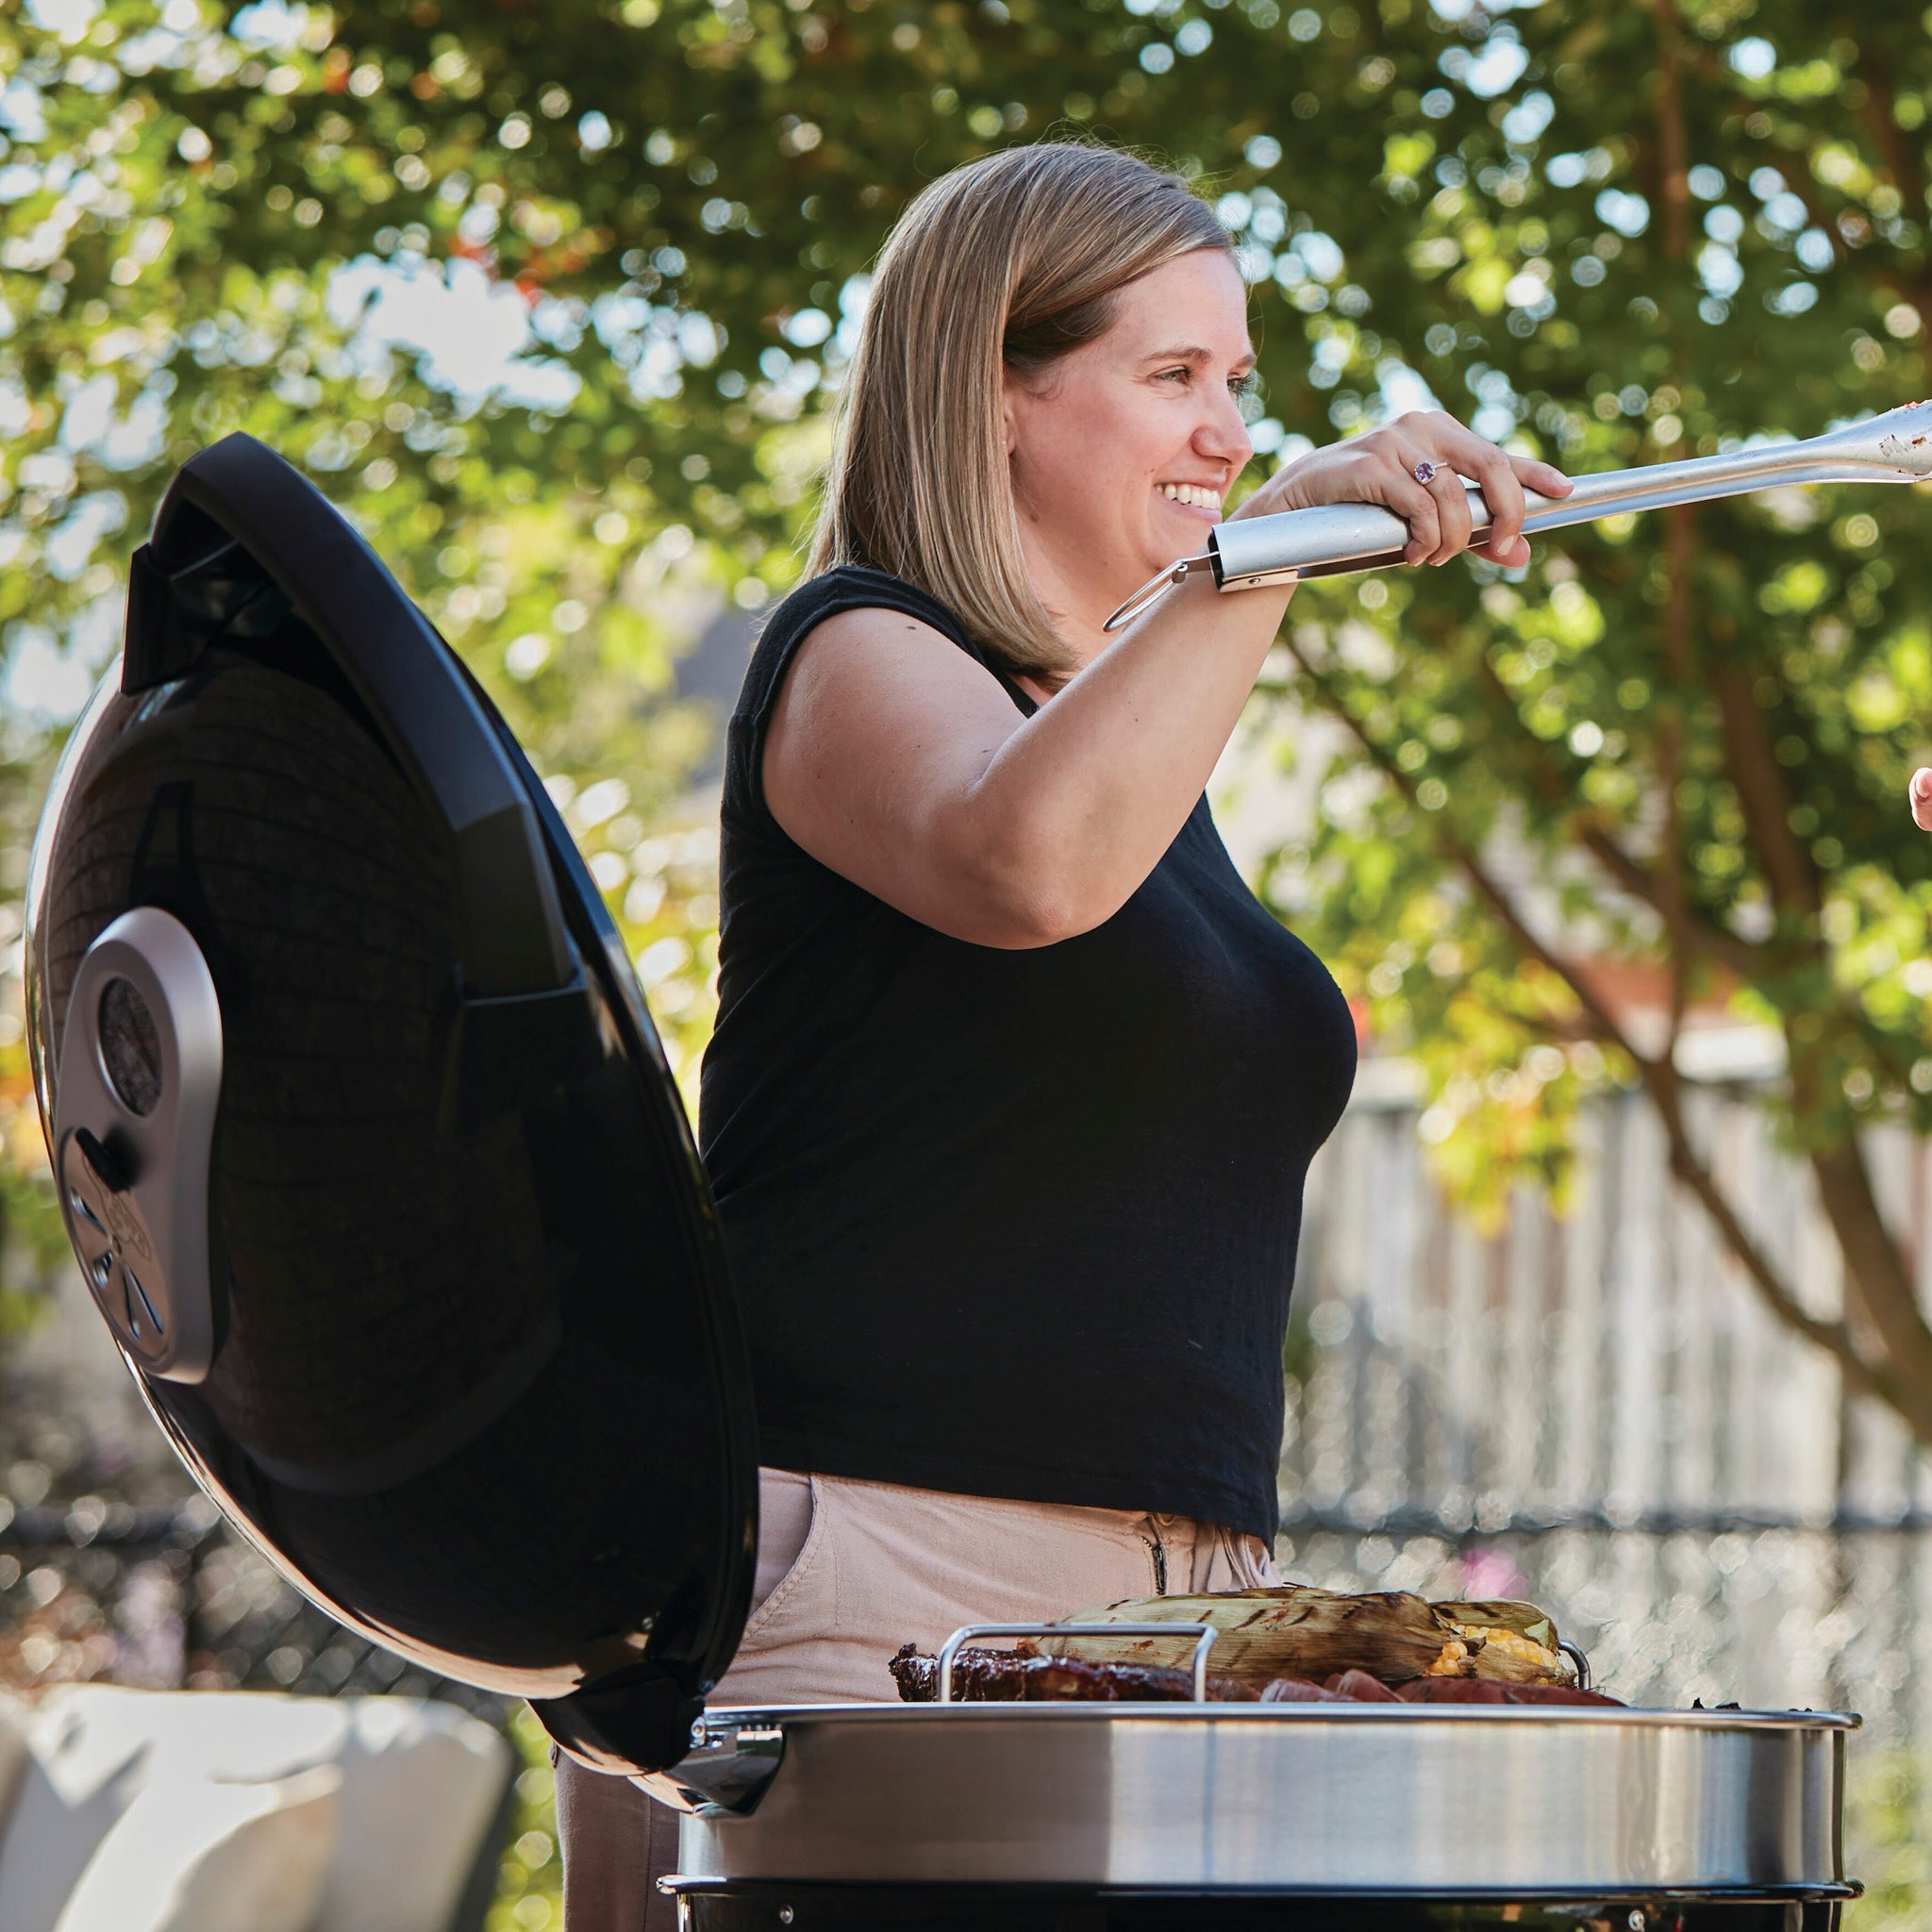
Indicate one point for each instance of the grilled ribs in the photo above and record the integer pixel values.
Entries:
(1014, 1676)
(1358, 1687)
(1019, 1676)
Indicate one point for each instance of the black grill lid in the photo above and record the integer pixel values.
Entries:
(366, 1141)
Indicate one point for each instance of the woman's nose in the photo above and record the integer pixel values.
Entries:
(1223, 438)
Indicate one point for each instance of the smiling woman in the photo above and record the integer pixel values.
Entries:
(999, 270)
(1005, 1048)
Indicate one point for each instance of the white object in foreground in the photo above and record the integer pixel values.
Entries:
(415, 1788)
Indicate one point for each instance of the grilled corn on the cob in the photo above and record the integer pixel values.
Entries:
(1299, 1631)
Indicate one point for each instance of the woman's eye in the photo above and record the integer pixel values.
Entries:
(1238, 385)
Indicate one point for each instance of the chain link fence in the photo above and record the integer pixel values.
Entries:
(163, 1596)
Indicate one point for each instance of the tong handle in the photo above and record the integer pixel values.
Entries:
(1204, 1635)
(1156, 587)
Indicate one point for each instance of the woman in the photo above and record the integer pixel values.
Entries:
(1014, 1083)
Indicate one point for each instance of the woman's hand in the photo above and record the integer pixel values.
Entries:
(1386, 466)
(1919, 792)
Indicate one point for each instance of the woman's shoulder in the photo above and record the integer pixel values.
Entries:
(832, 592)
(853, 587)
(849, 586)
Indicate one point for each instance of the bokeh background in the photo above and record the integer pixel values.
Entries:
(1615, 1274)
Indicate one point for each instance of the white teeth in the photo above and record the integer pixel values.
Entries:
(1194, 493)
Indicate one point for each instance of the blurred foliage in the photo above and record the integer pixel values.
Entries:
(551, 301)
(1663, 767)
(1884, 1842)
(529, 1896)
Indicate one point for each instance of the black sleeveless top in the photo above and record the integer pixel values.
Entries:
(1013, 1223)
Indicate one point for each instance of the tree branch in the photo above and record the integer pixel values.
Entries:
(1679, 525)
(1744, 957)
(1878, 1283)
(1754, 769)
(1836, 1338)
(1906, 170)
(1901, 162)
(1909, 1399)
(1674, 182)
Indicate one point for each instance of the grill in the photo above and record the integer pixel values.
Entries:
(1291, 1815)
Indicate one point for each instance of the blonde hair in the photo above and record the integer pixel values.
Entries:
(1006, 264)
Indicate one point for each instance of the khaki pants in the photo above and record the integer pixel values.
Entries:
(847, 1573)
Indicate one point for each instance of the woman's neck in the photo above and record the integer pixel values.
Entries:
(1077, 606)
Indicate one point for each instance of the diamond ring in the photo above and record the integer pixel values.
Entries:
(1425, 472)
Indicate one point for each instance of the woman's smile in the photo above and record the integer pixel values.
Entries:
(1201, 502)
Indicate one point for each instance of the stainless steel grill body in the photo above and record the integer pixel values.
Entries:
(1481, 1802)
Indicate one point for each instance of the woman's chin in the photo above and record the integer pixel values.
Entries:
(1183, 530)
(1178, 536)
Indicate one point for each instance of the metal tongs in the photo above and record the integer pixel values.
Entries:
(1248, 551)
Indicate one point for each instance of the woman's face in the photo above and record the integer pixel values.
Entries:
(1123, 452)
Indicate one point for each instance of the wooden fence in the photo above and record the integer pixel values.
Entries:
(1599, 1411)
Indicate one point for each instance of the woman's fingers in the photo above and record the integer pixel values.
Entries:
(1453, 519)
(1381, 467)
(1544, 478)
(1502, 477)
(1421, 509)
(1504, 487)
(1502, 491)
(1921, 795)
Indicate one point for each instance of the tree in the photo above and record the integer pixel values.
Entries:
(1695, 734)
(1617, 233)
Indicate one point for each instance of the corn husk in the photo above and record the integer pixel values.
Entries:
(1299, 1631)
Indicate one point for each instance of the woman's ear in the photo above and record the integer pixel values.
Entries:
(1009, 419)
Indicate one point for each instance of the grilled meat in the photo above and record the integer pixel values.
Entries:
(1022, 1677)
(1299, 1643)
(1358, 1687)
(1496, 1690)
(1019, 1676)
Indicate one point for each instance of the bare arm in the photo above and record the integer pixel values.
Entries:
(901, 764)
(898, 761)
